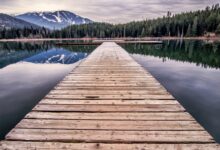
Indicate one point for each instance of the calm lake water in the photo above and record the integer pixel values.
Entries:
(28, 71)
(188, 69)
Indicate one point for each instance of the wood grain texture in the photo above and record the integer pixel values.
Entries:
(173, 116)
(109, 125)
(102, 146)
(108, 102)
(104, 136)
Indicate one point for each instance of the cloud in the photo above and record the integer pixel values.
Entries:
(113, 11)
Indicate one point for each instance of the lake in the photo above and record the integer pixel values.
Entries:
(188, 69)
(28, 72)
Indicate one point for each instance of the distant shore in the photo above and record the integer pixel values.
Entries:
(217, 38)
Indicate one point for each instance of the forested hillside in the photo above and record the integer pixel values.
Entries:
(187, 24)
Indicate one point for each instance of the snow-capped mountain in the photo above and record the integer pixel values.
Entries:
(53, 20)
(8, 22)
(57, 55)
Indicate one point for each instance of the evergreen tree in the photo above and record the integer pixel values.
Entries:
(143, 32)
(189, 31)
(185, 24)
(218, 30)
(195, 26)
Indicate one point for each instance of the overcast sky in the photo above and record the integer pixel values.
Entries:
(114, 11)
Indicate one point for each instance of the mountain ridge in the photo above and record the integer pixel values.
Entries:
(7, 22)
(53, 19)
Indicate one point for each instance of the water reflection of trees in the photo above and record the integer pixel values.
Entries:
(13, 46)
(12, 52)
(199, 52)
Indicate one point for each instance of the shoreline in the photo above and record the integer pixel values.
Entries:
(125, 39)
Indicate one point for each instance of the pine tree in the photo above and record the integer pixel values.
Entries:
(195, 26)
(143, 32)
(189, 31)
(185, 24)
(217, 31)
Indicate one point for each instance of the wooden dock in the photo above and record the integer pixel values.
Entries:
(108, 102)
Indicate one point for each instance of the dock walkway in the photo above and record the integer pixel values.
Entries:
(108, 102)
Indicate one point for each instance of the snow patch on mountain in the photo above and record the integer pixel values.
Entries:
(57, 55)
(54, 20)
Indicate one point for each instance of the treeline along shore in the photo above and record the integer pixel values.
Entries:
(201, 23)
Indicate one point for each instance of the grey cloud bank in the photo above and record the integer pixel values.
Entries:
(113, 11)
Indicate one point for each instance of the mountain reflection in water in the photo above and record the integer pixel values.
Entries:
(28, 71)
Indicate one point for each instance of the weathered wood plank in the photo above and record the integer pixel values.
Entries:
(127, 77)
(108, 74)
(103, 101)
(107, 92)
(109, 125)
(20, 145)
(110, 108)
(108, 80)
(96, 96)
(110, 84)
(110, 136)
(107, 88)
(113, 91)
(172, 116)
(108, 102)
